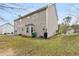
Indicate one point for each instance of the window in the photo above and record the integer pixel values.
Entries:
(31, 29)
(27, 29)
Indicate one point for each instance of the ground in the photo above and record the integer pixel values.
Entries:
(55, 46)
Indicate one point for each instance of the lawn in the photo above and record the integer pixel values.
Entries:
(58, 45)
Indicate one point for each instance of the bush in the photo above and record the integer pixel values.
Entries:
(5, 33)
(20, 34)
(41, 37)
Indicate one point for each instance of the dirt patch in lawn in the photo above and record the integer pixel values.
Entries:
(7, 52)
(3, 42)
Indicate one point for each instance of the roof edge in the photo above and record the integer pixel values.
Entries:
(33, 12)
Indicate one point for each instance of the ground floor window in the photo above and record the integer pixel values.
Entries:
(31, 29)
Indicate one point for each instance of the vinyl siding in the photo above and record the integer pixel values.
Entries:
(6, 29)
(44, 18)
(52, 21)
(38, 19)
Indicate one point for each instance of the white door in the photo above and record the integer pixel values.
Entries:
(29, 30)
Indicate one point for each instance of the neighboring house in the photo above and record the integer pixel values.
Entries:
(73, 29)
(70, 31)
(42, 20)
(6, 28)
(76, 29)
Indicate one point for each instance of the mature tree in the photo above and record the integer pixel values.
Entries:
(67, 20)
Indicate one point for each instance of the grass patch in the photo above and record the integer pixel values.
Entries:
(57, 45)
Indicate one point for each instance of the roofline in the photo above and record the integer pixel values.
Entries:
(43, 8)
(5, 24)
(56, 11)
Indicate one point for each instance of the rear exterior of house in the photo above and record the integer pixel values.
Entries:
(41, 21)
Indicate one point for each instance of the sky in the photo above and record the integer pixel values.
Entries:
(23, 8)
(68, 9)
(10, 14)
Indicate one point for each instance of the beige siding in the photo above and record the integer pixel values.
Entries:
(38, 19)
(16, 27)
(44, 18)
(26, 21)
(51, 21)
(40, 22)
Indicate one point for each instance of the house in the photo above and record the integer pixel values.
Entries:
(42, 20)
(73, 29)
(6, 28)
(70, 31)
(76, 28)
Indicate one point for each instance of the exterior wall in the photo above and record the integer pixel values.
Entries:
(71, 31)
(45, 18)
(1, 30)
(51, 20)
(17, 27)
(6, 29)
(40, 22)
(38, 19)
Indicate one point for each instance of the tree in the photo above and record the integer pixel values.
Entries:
(67, 20)
(62, 28)
(65, 25)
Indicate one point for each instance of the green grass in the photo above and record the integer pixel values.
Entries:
(57, 45)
